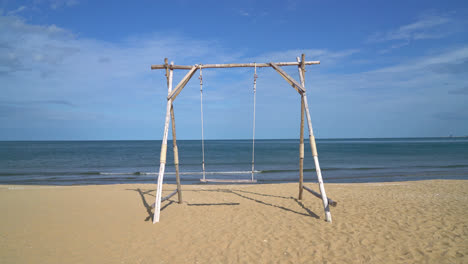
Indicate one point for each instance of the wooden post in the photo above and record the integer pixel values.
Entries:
(301, 151)
(174, 145)
(313, 146)
(162, 164)
(176, 155)
(301, 141)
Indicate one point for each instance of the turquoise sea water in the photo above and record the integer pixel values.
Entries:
(341, 160)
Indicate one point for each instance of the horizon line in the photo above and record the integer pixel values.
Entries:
(305, 139)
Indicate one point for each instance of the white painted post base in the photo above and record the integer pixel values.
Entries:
(326, 206)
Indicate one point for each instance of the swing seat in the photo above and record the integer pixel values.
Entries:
(228, 180)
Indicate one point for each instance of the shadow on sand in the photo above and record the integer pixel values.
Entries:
(147, 206)
(240, 193)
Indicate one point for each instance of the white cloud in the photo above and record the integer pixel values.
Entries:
(394, 46)
(45, 69)
(426, 27)
(50, 63)
(454, 56)
(244, 13)
(56, 4)
(409, 95)
(48, 74)
(16, 11)
(108, 83)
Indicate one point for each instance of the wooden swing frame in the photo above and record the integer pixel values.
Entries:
(300, 88)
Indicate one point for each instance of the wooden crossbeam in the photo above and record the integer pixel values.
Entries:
(299, 88)
(182, 84)
(330, 201)
(230, 65)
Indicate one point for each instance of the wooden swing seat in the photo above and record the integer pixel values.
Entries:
(229, 180)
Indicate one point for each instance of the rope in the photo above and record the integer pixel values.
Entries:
(253, 130)
(201, 113)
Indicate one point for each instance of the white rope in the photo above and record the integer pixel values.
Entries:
(253, 130)
(201, 113)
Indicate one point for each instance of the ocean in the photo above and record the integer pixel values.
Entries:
(341, 160)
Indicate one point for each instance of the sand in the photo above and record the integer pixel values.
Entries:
(404, 222)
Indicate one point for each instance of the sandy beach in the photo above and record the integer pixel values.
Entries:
(399, 222)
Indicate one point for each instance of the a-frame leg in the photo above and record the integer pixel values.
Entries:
(162, 165)
(176, 155)
(312, 144)
(301, 152)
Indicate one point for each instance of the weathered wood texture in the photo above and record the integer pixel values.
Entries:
(230, 65)
(176, 159)
(301, 138)
(301, 152)
(175, 149)
(326, 207)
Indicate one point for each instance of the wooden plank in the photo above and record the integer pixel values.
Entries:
(299, 88)
(330, 201)
(172, 95)
(231, 65)
(228, 180)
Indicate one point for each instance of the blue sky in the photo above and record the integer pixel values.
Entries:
(80, 70)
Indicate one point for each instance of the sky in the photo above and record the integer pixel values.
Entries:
(80, 70)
